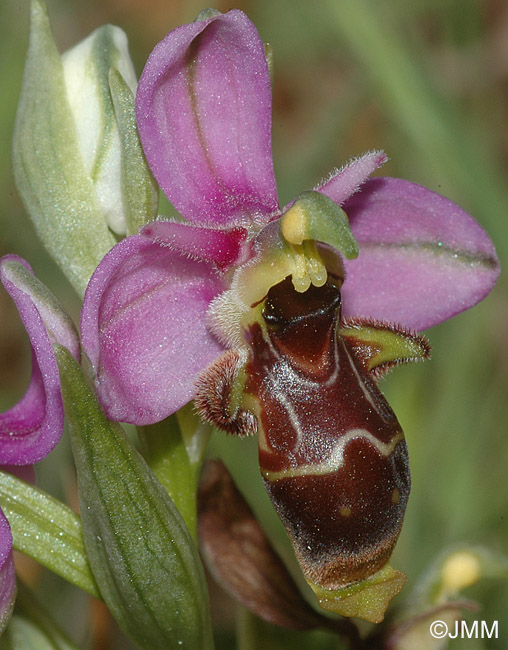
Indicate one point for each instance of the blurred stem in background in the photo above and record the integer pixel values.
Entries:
(450, 149)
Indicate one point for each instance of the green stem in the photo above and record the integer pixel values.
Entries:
(253, 633)
(174, 449)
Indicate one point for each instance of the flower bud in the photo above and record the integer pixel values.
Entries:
(437, 599)
(75, 162)
(86, 74)
(456, 569)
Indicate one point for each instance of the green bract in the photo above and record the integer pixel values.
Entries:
(69, 152)
(143, 558)
(140, 193)
(174, 449)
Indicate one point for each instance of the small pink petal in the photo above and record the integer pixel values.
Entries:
(204, 118)
(342, 184)
(224, 247)
(32, 428)
(143, 328)
(422, 258)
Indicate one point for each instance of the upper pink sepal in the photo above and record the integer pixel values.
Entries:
(224, 247)
(204, 118)
(32, 428)
(422, 258)
(143, 328)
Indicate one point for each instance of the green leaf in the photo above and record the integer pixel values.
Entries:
(32, 627)
(47, 531)
(141, 553)
(141, 193)
(48, 166)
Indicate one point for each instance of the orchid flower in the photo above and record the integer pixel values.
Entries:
(32, 428)
(194, 309)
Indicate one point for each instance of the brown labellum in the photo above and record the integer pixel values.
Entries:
(331, 451)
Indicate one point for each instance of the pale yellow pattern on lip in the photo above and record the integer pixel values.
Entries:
(336, 458)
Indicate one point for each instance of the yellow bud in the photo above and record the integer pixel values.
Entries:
(460, 570)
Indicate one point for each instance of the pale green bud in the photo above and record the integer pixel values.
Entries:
(454, 570)
(78, 168)
(86, 74)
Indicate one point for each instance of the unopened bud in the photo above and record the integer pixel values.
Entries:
(86, 73)
(73, 153)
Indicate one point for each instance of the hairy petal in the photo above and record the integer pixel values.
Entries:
(422, 258)
(204, 118)
(143, 328)
(343, 183)
(7, 576)
(32, 428)
(224, 247)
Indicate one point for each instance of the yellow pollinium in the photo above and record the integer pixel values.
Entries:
(290, 246)
(314, 217)
(367, 599)
(308, 268)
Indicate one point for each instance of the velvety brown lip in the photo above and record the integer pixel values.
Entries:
(312, 394)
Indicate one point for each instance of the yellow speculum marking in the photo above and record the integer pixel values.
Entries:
(345, 511)
(395, 496)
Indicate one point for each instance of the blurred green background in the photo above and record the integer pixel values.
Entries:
(428, 83)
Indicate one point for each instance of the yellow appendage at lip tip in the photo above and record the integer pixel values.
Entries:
(367, 599)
